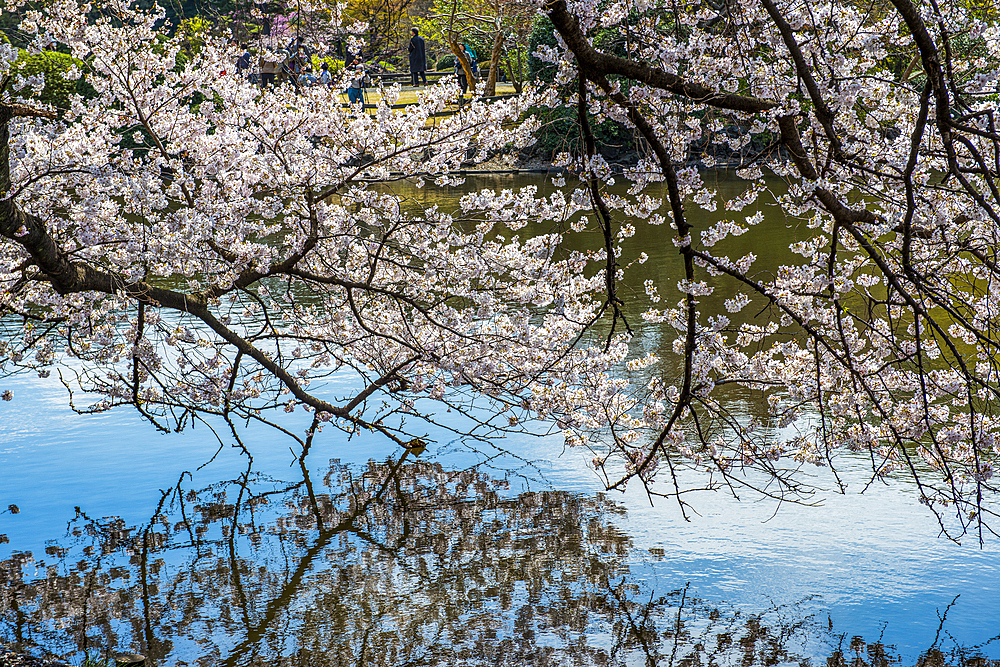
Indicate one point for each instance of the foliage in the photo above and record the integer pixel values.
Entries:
(54, 67)
(445, 63)
(194, 32)
(542, 34)
(559, 133)
(334, 64)
(986, 10)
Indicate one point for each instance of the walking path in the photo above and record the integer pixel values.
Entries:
(408, 94)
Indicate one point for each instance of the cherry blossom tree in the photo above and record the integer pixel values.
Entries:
(884, 339)
(193, 247)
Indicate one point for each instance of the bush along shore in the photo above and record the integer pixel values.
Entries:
(11, 656)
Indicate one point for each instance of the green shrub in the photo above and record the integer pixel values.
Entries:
(53, 65)
(334, 64)
(560, 132)
(542, 33)
(445, 62)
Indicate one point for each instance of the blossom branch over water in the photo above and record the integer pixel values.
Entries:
(187, 244)
(884, 340)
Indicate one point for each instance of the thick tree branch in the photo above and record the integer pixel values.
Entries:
(593, 62)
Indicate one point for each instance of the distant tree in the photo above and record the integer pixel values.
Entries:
(385, 24)
(501, 26)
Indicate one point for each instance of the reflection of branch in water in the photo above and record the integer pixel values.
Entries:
(402, 562)
(639, 630)
(677, 625)
(279, 603)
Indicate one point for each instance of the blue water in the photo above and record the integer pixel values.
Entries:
(871, 565)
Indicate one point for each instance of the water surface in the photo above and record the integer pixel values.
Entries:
(472, 553)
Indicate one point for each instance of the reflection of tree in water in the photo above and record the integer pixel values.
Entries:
(397, 563)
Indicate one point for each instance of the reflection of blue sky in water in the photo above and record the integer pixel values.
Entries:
(872, 561)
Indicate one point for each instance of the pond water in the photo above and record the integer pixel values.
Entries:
(129, 540)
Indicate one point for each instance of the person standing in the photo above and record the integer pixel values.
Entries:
(355, 85)
(463, 81)
(473, 62)
(418, 58)
(269, 72)
(325, 75)
(243, 62)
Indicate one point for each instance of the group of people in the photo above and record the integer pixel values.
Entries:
(297, 68)
(355, 81)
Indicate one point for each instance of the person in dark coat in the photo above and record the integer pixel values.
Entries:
(243, 62)
(418, 58)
